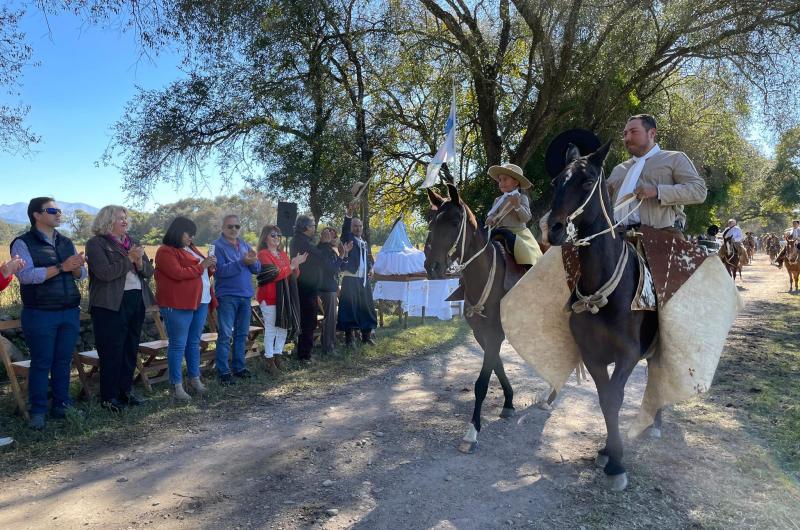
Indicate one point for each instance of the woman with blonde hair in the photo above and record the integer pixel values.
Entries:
(119, 272)
(275, 295)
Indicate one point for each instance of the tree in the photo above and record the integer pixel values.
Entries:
(14, 54)
(80, 224)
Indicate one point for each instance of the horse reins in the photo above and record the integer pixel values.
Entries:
(477, 308)
(599, 298)
(572, 232)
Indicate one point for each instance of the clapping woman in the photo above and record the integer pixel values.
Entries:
(183, 292)
(119, 293)
(278, 307)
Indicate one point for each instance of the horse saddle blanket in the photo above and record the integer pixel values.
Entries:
(670, 261)
(694, 319)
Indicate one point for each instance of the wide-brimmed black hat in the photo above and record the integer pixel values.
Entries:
(554, 158)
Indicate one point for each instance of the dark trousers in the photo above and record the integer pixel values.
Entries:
(308, 323)
(329, 324)
(116, 335)
(51, 337)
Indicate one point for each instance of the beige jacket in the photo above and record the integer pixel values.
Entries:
(515, 218)
(676, 179)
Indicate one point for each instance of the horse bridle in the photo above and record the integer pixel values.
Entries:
(572, 232)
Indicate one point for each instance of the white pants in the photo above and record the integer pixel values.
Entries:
(274, 338)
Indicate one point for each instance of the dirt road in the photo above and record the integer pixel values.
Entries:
(381, 453)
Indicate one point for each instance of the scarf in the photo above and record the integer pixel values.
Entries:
(124, 245)
(629, 186)
(362, 247)
(502, 202)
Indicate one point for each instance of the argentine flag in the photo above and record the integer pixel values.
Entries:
(447, 152)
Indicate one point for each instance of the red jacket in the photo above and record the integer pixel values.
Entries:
(267, 293)
(179, 282)
(5, 281)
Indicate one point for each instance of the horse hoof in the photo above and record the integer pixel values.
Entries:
(507, 413)
(468, 447)
(544, 405)
(601, 461)
(654, 432)
(617, 482)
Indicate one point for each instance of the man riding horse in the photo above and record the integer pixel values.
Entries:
(663, 180)
(792, 238)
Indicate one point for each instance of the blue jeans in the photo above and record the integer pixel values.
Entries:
(51, 337)
(233, 318)
(184, 328)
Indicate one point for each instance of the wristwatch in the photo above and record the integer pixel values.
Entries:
(60, 267)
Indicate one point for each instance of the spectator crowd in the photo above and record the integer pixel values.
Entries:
(290, 289)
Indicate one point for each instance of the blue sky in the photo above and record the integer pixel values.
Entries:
(78, 90)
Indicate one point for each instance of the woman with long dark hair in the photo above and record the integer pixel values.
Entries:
(278, 305)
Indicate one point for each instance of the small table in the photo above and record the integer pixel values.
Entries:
(419, 297)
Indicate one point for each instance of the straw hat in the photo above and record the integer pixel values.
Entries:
(513, 171)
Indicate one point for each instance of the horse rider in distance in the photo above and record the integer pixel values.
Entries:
(734, 233)
(792, 238)
(665, 181)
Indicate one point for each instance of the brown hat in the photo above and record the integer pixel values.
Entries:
(513, 171)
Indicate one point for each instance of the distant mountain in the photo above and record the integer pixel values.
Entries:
(17, 213)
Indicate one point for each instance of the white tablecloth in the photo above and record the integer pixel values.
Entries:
(419, 294)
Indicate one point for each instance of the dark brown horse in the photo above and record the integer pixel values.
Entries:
(615, 334)
(455, 234)
(732, 257)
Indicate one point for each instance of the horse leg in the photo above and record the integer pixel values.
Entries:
(611, 394)
(508, 392)
(491, 352)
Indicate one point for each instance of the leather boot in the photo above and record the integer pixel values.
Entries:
(196, 385)
(278, 363)
(180, 393)
(271, 367)
(366, 337)
(348, 337)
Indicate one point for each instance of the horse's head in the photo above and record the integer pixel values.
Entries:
(572, 187)
(444, 227)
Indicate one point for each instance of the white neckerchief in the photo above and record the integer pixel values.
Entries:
(362, 265)
(629, 186)
(502, 201)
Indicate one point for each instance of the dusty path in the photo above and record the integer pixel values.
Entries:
(381, 454)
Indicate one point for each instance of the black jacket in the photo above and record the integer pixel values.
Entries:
(60, 291)
(331, 265)
(310, 278)
(353, 260)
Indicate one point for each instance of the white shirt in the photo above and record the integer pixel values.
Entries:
(796, 233)
(734, 232)
(206, 298)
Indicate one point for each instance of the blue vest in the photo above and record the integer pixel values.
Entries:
(60, 291)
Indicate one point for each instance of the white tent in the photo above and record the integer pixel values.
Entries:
(398, 256)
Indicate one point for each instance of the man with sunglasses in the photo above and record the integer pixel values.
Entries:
(233, 285)
(50, 307)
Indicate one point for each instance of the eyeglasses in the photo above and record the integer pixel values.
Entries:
(230, 227)
(51, 211)
(274, 234)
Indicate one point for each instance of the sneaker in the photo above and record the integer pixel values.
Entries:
(226, 380)
(131, 400)
(243, 374)
(37, 421)
(113, 405)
